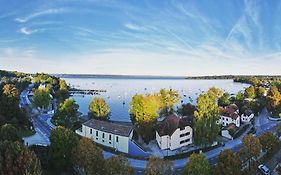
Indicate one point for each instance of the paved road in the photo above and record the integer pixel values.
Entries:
(43, 130)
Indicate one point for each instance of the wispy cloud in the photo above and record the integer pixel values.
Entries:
(25, 31)
(39, 13)
(135, 27)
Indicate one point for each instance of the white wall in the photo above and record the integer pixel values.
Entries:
(225, 133)
(121, 145)
(225, 121)
(245, 118)
(174, 142)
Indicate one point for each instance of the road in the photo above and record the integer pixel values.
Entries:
(42, 128)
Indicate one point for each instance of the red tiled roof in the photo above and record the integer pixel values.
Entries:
(171, 123)
(230, 111)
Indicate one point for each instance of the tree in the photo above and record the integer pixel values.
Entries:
(215, 92)
(62, 94)
(144, 113)
(118, 165)
(168, 98)
(159, 166)
(99, 109)
(187, 109)
(229, 163)
(251, 148)
(67, 114)
(239, 96)
(224, 100)
(250, 92)
(42, 98)
(261, 91)
(63, 141)
(197, 165)
(9, 102)
(144, 109)
(206, 128)
(9, 132)
(274, 97)
(17, 159)
(88, 157)
(269, 142)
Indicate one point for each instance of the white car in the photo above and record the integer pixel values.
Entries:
(263, 169)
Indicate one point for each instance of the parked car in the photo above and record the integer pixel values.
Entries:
(263, 169)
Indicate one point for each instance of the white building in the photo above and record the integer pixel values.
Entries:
(108, 134)
(229, 131)
(247, 116)
(230, 114)
(174, 132)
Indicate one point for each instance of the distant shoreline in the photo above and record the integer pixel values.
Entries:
(218, 77)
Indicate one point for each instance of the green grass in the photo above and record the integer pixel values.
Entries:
(26, 133)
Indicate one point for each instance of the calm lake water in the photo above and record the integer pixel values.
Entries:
(119, 92)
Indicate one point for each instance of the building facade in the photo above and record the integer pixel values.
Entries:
(247, 116)
(230, 114)
(108, 134)
(174, 132)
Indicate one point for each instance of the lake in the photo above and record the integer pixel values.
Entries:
(119, 92)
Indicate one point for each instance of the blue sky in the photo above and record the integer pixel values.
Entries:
(141, 37)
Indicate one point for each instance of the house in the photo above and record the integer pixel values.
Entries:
(247, 116)
(174, 132)
(230, 114)
(229, 131)
(113, 135)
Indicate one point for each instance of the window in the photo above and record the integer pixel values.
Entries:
(185, 134)
(182, 128)
(184, 141)
(97, 133)
(91, 131)
(117, 140)
(102, 140)
(103, 135)
(109, 136)
(110, 143)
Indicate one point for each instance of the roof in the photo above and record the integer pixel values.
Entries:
(171, 123)
(230, 111)
(109, 127)
(231, 126)
(248, 112)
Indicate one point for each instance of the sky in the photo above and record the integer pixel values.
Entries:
(141, 37)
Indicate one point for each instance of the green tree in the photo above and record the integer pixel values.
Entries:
(116, 165)
(67, 115)
(250, 92)
(63, 141)
(168, 98)
(9, 102)
(87, 156)
(224, 100)
(157, 166)
(206, 128)
(144, 114)
(99, 109)
(9, 132)
(251, 149)
(197, 165)
(269, 142)
(261, 91)
(17, 159)
(41, 98)
(215, 92)
(144, 109)
(239, 96)
(228, 163)
(187, 109)
(274, 97)
(62, 94)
